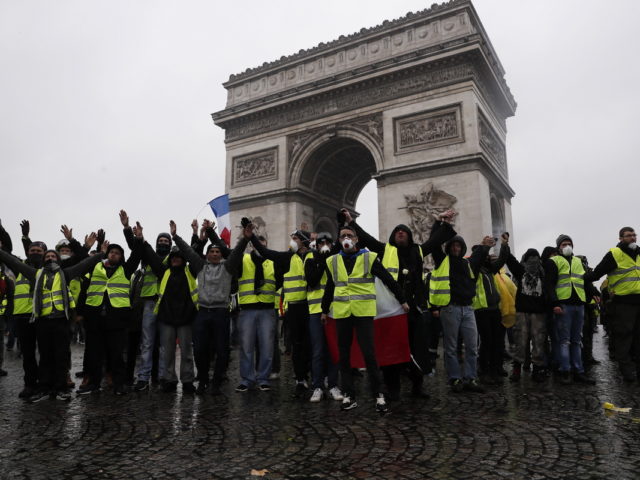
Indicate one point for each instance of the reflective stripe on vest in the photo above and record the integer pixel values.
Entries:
(570, 277)
(75, 286)
(118, 287)
(355, 293)
(625, 279)
(150, 282)
(294, 284)
(247, 293)
(440, 285)
(53, 299)
(191, 282)
(22, 297)
(391, 262)
(314, 297)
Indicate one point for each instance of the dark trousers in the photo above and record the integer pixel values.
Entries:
(53, 345)
(211, 331)
(27, 336)
(107, 346)
(491, 333)
(363, 327)
(298, 321)
(590, 322)
(625, 320)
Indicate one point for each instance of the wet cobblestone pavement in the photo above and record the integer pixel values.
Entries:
(523, 431)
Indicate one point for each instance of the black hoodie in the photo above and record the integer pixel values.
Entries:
(527, 303)
(463, 287)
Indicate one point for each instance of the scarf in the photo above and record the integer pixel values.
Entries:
(258, 279)
(531, 283)
(48, 273)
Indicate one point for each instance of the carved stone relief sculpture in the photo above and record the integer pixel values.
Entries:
(255, 167)
(425, 208)
(428, 129)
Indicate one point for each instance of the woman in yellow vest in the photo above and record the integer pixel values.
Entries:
(350, 294)
(52, 306)
(565, 285)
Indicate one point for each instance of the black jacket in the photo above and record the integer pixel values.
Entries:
(527, 303)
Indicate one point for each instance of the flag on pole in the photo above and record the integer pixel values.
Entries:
(220, 207)
(390, 333)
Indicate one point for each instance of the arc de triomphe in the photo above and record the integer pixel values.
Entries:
(418, 103)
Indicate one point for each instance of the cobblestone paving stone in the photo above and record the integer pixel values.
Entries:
(524, 431)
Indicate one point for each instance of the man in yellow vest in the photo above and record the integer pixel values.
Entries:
(149, 296)
(621, 264)
(52, 306)
(256, 319)
(452, 288)
(175, 308)
(404, 260)
(566, 290)
(107, 310)
(350, 298)
(295, 295)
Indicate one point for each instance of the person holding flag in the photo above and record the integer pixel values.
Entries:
(220, 208)
(350, 294)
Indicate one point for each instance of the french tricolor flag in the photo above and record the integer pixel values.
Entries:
(220, 207)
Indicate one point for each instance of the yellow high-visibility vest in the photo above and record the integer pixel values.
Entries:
(22, 297)
(625, 279)
(355, 293)
(118, 287)
(570, 277)
(247, 292)
(440, 284)
(191, 281)
(294, 284)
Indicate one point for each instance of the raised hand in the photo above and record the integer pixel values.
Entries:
(194, 226)
(488, 241)
(173, 227)
(138, 231)
(347, 215)
(124, 219)
(101, 236)
(248, 230)
(67, 232)
(104, 248)
(90, 240)
(24, 225)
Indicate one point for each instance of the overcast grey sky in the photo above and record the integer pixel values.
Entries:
(106, 105)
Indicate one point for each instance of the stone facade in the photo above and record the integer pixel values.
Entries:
(418, 103)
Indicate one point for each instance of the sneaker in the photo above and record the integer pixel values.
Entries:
(456, 385)
(120, 390)
(202, 388)
(63, 396)
(274, 376)
(188, 388)
(264, 387)
(582, 378)
(336, 394)
(242, 388)
(381, 404)
(473, 386)
(88, 389)
(317, 395)
(301, 388)
(141, 386)
(348, 404)
(38, 397)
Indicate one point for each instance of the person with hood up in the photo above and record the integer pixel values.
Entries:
(149, 296)
(621, 264)
(452, 288)
(350, 294)
(211, 327)
(566, 288)
(486, 308)
(176, 308)
(51, 311)
(295, 288)
(531, 308)
(404, 260)
(107, 313)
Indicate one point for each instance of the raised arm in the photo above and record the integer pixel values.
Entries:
(480, 254)
(280, 258)
(232, 264)
(196, 262)
(499, 262)
(515, 266)
(151, 258)
(84, 266)
(440, 233)
(17, 266)
(26, 241)
(215, 238)
(126, 230)
(364, 238)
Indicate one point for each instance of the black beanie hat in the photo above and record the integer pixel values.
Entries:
(561, 238)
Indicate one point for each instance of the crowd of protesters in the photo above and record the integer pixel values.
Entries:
(133, 314)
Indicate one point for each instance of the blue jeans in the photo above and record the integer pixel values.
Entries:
(568, 327)
(255, 324)
(149, 332)
(459, 319)
(321, 364)
(211, 331)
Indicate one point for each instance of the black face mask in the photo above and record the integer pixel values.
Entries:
(35, 259)
(50, 263)
(163, 250)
